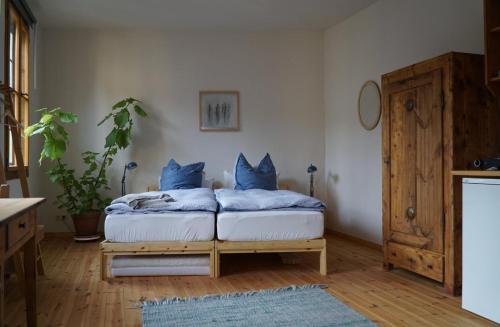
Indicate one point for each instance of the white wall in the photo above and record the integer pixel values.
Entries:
(388, 35)
(278, 74)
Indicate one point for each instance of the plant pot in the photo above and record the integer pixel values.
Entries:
(86, 225)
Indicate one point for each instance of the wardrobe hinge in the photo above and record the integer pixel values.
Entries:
(442, 101)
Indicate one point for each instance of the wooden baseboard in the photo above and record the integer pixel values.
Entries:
(353, 239)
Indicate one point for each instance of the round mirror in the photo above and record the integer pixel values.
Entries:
(369, 105)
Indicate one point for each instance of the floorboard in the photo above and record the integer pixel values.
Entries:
(71, 293)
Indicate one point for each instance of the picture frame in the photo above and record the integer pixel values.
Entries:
(219, 111)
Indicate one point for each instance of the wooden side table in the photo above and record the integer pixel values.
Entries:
(18, 231)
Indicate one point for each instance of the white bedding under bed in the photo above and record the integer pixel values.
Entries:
(153, 265)
(270, 225)
(189, 226)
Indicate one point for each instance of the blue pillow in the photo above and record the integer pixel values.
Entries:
(175, 176)
(262, 177)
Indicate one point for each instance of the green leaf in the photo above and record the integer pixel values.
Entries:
(54, 178)
(105, 118)
(46, 118)
(113, 151)
(140, 111)
(120, 104)
(111, 138)
(58, 150)
(30, 130)
(122, 139)
(38, 131)
(66, 117)
(90, 154)
(62, 132)
(54, 148)
(122, 118)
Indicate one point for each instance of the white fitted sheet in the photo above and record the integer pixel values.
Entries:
(170, 226)
(269, 225)
(153, 265)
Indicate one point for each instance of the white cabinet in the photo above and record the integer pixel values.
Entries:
(481, 247)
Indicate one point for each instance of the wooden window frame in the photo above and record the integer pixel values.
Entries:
(20, 88)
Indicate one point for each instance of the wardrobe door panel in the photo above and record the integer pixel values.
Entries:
(429, 218)
(417, 162)
(403, 159)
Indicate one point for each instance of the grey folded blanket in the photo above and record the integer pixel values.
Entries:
(144, 200)
(197, 199)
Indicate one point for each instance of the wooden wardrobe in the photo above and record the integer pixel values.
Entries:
(437, 116)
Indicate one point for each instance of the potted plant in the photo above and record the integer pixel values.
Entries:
(82, 196)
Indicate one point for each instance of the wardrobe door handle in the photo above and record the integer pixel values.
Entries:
(410, 213)
(410, 105)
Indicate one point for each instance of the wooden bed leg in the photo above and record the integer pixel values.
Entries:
(104, 266)
(322, 262)
(217, 264)
(216, 261)
(212, 263)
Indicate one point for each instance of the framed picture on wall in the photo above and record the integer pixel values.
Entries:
(219, 111)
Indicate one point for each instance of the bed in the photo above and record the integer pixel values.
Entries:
(260, 221)
(184, 226)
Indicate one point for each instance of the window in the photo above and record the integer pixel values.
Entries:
(17, 80)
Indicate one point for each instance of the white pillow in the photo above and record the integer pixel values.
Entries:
(230, 182)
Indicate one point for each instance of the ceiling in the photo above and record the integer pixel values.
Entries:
(251, 15)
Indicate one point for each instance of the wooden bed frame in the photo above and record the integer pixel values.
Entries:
(213, 248)
(110, 249)
(316, 245)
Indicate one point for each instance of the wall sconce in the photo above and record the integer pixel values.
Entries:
(130, 166)
(311, 170)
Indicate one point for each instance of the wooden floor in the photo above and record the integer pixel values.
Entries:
(72, 295)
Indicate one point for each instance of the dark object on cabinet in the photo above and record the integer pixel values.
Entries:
(437, 116)
(488, 164)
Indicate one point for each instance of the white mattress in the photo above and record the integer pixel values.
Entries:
(171, 226)
(160, 265)
(269, 225)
